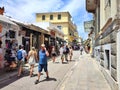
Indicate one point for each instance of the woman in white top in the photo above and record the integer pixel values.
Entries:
(32, 57)
(61, 53)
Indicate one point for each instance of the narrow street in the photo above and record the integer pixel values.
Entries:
(82, 73)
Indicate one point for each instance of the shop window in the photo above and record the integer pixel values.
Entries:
(51, 17)
(11, 34)
(59, 16)
(43, 17)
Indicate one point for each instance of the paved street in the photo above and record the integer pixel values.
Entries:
(82, 73)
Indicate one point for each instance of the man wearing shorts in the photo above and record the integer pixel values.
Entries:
(22, 61)
(43, 53)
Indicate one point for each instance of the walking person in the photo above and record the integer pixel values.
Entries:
(53, 52)
(32, 58)
(70, 53)
(43, 54)
(66, 52)
(61, 53)
(81, 49)
(21, 55)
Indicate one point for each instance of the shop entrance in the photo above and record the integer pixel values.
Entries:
(26, 43)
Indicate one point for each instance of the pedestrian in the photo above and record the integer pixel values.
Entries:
(86, 49)
(70, 53)
(21, 55)
(32, 58)
(43, 54)
(53, 52)
(81, 49)
(66, 52)
(61, 53)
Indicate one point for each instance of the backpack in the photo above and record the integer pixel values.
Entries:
(19, 55)
(67, 50)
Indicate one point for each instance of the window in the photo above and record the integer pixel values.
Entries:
(51, 17)
(43, 17)
(60, 27)
(59, 16)
(12, 34)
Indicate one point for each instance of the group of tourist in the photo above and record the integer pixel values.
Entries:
(66, 53)
(41, 58)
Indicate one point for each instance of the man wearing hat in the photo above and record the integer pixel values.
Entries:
(43, 54)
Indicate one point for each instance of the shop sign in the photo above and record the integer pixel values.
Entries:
(88, 25)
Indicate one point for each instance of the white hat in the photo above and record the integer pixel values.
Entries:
(43, 45)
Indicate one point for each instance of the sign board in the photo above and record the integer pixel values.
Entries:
(88, 25)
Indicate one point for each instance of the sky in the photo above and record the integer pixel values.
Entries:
(25, 10)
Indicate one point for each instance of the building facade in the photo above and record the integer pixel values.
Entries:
(106, 28)
(62, 20)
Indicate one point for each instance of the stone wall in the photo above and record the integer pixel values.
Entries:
(109, 37)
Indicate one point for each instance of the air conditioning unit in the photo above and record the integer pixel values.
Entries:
(91, 5)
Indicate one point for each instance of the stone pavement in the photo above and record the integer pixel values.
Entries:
(7, 75)
(84, 75)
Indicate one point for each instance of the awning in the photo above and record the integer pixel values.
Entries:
(6, 20)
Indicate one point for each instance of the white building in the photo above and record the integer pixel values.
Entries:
(8, 35)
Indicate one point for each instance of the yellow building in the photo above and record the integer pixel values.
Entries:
(62, 20)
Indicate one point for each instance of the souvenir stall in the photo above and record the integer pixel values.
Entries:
(9, 39)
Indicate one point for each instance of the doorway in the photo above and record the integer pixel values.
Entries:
(107, 59)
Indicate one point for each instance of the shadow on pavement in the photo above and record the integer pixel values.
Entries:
(56, 62)
(72, 61)
(65, 63)
(14, 78)
(50, 79)
(9, 81)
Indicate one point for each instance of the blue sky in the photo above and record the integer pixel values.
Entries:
(24, 10)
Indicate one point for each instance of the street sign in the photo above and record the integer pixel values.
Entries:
(88, 25)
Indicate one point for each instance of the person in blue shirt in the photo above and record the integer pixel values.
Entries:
(43, 54)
